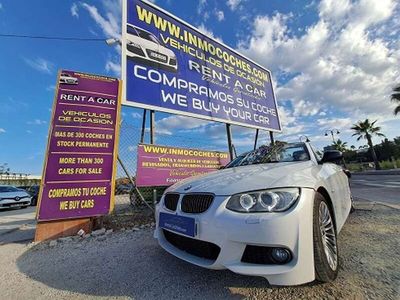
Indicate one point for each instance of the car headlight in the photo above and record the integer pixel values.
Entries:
(273, 200)
(132, 44)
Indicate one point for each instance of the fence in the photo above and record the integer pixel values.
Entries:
(127, 198)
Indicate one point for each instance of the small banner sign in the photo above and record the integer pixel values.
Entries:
(78, 176)
(164, 166)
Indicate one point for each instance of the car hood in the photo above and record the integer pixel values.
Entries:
(250, 178)
(21, 194)
(145, 44)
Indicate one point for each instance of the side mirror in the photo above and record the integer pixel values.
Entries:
(347, 172)
(331, 156)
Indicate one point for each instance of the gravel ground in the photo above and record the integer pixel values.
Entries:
(129, 264)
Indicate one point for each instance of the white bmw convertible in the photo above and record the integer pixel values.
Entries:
(274, 212)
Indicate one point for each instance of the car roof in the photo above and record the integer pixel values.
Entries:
(140, 28)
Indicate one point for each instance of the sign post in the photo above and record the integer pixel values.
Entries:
(78, 179)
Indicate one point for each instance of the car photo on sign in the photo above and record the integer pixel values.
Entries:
(275, 212)
(68, 79)
(145, 47)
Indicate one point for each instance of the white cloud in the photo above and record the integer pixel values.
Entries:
(110, 24)
(2, 130)
(203, 29)
(36, 122)
(335, 123)
(136, 115)
(202, 10)
(176, 122)
(233, 4)
(40, 64)
(113, 67)
(220, 15)
(50, 88)
(339, 63)
(74, 10)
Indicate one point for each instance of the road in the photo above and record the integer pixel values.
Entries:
(379, 188)
(17, 225)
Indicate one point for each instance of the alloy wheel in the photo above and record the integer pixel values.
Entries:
(328, 235)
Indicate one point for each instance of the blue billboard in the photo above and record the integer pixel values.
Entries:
(170, 66)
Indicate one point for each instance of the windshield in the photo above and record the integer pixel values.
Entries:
(275, 154)
(143, 34)
(8, 189)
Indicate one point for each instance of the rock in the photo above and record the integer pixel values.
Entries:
(53, 243)
(135, 229)
(123, 229)
(99, 232)
(85, 236)
(65, 239)
(31, 245)
(101, 238)
(142, 226)
(109, 231)
(153, 224)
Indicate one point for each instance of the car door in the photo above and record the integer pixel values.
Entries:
(339, 191)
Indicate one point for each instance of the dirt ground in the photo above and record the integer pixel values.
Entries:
(129, 265)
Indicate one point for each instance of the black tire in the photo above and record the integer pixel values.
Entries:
(323, 271)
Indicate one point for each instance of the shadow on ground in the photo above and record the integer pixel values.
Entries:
(127, 264)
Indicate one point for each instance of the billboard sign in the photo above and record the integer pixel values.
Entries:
(170, 66)
(164, 166)
(78, 175)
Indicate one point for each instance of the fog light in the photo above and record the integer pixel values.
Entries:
(280, 255)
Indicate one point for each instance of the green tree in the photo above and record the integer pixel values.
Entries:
(365, 130)
(395, 97)
(340, 145)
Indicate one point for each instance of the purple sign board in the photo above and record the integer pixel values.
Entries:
(164, 166)
(78, 177)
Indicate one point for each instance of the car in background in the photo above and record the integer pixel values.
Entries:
(122, 189)
(12, 197)
(275, 213)
(68, 79)
(144, 46)
(33, 190)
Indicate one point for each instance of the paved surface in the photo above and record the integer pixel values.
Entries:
(130, 265)
(17, 225)
(380, 188)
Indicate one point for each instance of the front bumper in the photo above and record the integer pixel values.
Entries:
(12, 203)
(232, 232)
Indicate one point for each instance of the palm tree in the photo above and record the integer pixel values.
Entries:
(396, 98)
(352, 147)
(365, 130)
(340, 145)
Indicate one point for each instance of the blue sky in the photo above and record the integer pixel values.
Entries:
(334, 62)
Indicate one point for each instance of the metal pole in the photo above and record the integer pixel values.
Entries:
(131, 180)
(229, 134)
(152, 114)
(333, 138)
(143, 125)
(256, 139)
(271, 137)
